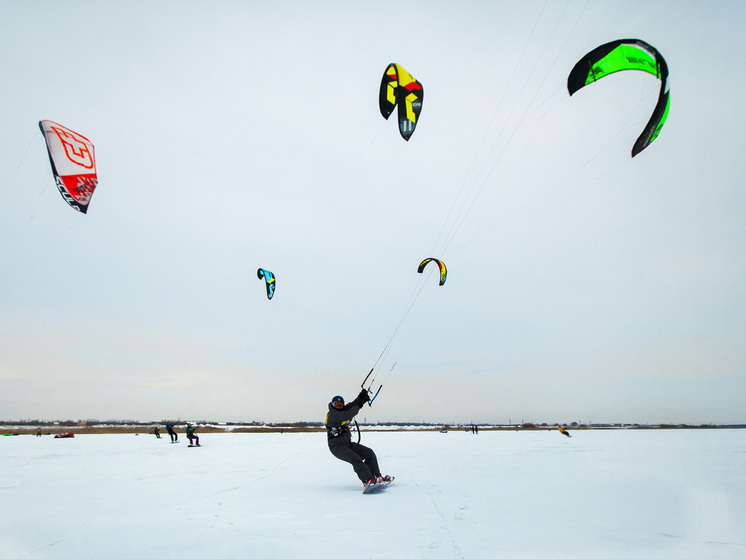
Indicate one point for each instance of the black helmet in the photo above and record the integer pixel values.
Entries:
(337, 399)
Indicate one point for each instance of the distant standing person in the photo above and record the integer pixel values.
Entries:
(191, 435)
(339, 438)
(172, 433)
(157, 432)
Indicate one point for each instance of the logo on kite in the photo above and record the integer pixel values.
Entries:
(398, 87)
(626, 54)
(441, 267)
(269, 281)
(73, 164)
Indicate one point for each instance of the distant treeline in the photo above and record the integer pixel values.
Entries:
(319, 424)
(98, 422)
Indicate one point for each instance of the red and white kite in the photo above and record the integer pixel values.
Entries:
(73, 163)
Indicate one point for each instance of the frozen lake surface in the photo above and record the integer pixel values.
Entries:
(663, 494)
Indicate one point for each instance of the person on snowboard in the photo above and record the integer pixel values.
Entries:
(564, 431)
(172, 433)
(338, 435)
(191, 435)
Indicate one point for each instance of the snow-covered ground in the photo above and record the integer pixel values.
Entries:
(673, 494)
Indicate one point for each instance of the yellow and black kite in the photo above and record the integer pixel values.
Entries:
(441, 267)
(398, 87)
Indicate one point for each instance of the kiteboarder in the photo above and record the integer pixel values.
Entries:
(564, 431)
(191, 435)
(339, 438)
(172, 433)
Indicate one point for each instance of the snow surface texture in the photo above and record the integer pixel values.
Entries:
(672, 494)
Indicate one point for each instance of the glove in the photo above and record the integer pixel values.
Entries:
(363, 396)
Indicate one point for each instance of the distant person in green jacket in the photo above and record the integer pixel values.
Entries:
(191, 435)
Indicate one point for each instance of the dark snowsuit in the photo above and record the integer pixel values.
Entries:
(172, 433)
(338, 435)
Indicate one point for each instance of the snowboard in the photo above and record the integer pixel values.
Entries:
(377, 487)
(191, 445)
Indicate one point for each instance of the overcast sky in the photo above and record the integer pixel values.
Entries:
(583, 285)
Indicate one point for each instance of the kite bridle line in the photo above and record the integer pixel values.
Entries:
(386, 348)
(467, 196)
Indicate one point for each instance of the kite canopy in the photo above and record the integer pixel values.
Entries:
(441, 267)
(626, 54)
(73, 163)
(398, 87)
(269, 280)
